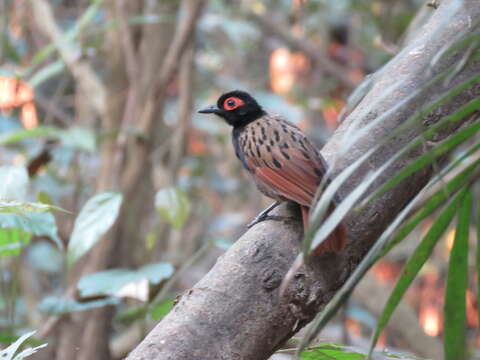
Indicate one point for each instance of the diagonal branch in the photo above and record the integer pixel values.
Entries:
(235, 311)
(180, 41)
(155, 90)
(81, 70)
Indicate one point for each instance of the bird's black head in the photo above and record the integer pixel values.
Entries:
(237, 108)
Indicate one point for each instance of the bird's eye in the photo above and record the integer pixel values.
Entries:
(232, 103)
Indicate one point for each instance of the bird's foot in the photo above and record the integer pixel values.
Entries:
(264, 217)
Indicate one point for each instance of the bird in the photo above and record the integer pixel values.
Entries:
(282, 161)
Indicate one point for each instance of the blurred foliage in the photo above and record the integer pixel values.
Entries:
(11, 352)
(331, 351)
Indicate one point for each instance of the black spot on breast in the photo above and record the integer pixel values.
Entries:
(306, 154)
(285, 146)
(269, 149)
(276, 163)
(294, 138)
(277, 135)
(264, 137)
(318, 171)
(259, 154)
(284, 127)
(285, 155)
(272, 142)
(260, 141)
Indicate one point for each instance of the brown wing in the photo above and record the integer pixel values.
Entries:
(286, 165)
(283, 159)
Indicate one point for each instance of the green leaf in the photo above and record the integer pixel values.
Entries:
(28, 352)
(15, 136)
(317, 214)
(60, 306)
(341, 211)
(349, 202)
(13, 183)
(159, 310)
(41, 250)
(128, 316)
(36, 223)
(7, 338)
(79, 138)
(40, 224)
(330, 352)
(433, 203)
(44, 198)
(173, 206)
(457, 282)
(96, 217)
(457, 139)
(109, 282)
(156, 311)
(41, 55)
(365, 130)
(19, 207)
(46, 73)
(327, 196)
(76, 137)
(12, 241)
(378, 250)
(9, 352)
(87, 17)
(350, 139)
(415, 263)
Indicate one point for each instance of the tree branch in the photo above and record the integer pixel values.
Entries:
(84, 75)
(183, 33)
(235, 311)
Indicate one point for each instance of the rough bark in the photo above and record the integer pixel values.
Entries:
(235, 311)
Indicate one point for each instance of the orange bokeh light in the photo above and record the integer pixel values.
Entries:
(430, 320)
(286, 68)
(29, 116)
(353, 327)
(17, 93)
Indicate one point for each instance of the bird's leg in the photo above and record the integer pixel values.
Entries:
(264, 215)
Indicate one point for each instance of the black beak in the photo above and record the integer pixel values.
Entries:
(213, 109)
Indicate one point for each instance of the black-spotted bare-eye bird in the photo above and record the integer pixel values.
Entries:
(284, 164)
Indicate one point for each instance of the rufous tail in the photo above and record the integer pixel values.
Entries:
(335, 242)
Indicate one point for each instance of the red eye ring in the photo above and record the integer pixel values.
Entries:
(232, 103)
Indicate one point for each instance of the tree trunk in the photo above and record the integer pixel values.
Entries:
(138, 70)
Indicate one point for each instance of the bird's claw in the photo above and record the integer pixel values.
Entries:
(261, 218)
